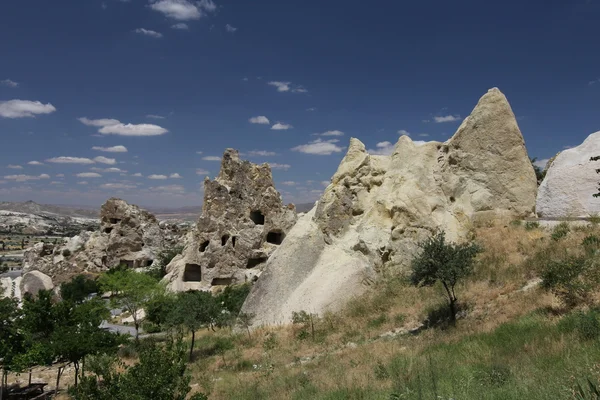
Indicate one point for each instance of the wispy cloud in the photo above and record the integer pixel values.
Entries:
(24, 108)
(112, 169)
(284, 167)
(261, 153)
(382, 148)
(183, 10)
(117, 186)
(104, 160)
(113, 149)
(175, 176)
(446, 118)
(594, 82)
(154, 116)
(148, 32)
(109, 126)
(157, 177)
(281, 127)
(98, 122)
(319, 147)
(261, 119)
(201, 171)
(70, 160)
(541, 163)
(35, 163)
(12, 166)
(330, 133)
(289, 183)
(211, 158)
(24, 178)
(9, 83)
(230, 29)
(88, 175)
(181, 26)
(283, 86)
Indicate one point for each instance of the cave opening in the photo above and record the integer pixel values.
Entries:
(224, 240)
(221, 281)
(204, 246)
(115, 220)
(257, 217)
(254, 262)
(192, 273)
(275, 237)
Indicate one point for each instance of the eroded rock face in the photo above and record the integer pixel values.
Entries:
(34, 281)
(128, 236)
(377, 208)
(243, 221)
(570, 183)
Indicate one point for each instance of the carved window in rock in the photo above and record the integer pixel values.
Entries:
(275, 237)
(222, 281)
(204, 246)
(257, 217)
(224, 240)
(192, 273)
(108, 230)
(255, 262)
(115, 220)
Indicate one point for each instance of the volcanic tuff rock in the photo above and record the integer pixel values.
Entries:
(128, 235)
(377, 208)
(571, 181)
(243, 221)
(34, 281)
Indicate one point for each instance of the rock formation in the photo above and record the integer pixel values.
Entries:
(34, 281)
(128, 236)
(570, 183)
(377, 208)
(243, 221)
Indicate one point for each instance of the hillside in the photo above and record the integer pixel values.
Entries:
(30, 207)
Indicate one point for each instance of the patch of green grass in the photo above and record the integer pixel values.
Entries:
(532, 225)
(560, 231)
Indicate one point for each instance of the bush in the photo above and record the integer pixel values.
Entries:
(585, 324)
(78, 289)
(571, 278)
(377, 322)
(560, 231)
(532, 225)
(66, 253)
(150, 327)
(164, 258)
(232, 297)
(591, 243)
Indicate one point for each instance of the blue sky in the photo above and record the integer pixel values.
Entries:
(175, 82)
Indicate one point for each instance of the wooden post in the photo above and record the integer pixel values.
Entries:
(29, 376)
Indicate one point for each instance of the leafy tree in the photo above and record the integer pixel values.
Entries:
(539, 172)
(11, 341)
(159, 308)
(164, 258)
(232, 297)
(447, 263)
(131, 291)
(194, 310)
(78, 289)
(160, 374)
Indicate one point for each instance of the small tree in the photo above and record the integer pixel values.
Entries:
(131, 291)
(11, 340)
(245, 320)
(78, 289)
(447, 263)
(193, 310)
(597, 194)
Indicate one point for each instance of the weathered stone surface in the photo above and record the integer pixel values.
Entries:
(377, 208)
(34, 281)
(128, 235)
(570, 183)
(243, 221)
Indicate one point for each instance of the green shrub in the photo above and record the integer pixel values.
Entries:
(594, 219)
(494, 375)
(270, 342)
(150, 327)
(560, 231)
(232, 297)
(516, 223)
(377, 322)
(591, 243)
(532, 225)
(571, 278)
(66, 253)
(585, 324)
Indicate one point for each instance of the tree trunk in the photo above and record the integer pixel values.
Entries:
(2, 385)
(452, 300)
(76, 364)
(60, 370)
(192, 346)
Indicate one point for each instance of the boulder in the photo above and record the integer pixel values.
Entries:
(243, 221)
(570, 183)
(377, 208)
(34, 281)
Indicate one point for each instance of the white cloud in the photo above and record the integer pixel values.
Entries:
(12, 166)
(319, 147)
(111, 170)
(174, 189)
(199, 152)
(60, 175)
(284, 167)
(331, 133)
(311, 109)
(403, 132)
(148, 32)
(133, 130)
(113, 149)
(281, 127)
(261, 153)
(181, 26)
(104, 160)
(175, 176)
(211, 158)
(25, 178)
(541, 163)
(24, 108)
(383, 148)
(35, 163)
(137, 175)
(70, 160)
(9, 83)
(201, 171)
(594, 82)
(181, 10)
(261, 119)
(281, 86)
(98, 122)
(289, 183)
(446, 118)
(88, 175)
(117, 186)
(325, 183)
(300, 89)
(82, 182)
(230, 29)
(207, 5)
(157, 177)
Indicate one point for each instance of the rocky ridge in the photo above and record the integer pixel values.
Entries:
(377, 208)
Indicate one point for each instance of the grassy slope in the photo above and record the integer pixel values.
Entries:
(511, 344)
